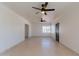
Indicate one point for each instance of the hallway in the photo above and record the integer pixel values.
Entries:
(39, 47)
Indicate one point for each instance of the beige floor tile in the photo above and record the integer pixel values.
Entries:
(39, 47)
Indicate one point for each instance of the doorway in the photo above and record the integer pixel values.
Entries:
(57, 31)
(26, 31)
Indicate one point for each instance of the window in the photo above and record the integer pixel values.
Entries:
(53, 29)
(46, 29)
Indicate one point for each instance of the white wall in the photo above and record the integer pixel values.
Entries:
(12, 29)
(69, 27)
(53, 31)
(37, 29)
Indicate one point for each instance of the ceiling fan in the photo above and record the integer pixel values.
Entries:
(42, 20)
(43, 9)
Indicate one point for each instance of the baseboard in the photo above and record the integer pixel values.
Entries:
(39, 36)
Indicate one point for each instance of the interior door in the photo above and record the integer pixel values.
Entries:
(57, 32)
(26, 30)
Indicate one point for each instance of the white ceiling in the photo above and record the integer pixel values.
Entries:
(25, 9)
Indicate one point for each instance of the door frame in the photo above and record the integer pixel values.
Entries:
(27, 30)
(57, 31)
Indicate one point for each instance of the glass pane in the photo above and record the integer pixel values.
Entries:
(46, 29)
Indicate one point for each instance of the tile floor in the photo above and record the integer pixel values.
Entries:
(39, 47)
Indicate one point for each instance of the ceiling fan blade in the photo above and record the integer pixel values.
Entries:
(46, 3)
(49, 10)
(37, 12)
(36, 8)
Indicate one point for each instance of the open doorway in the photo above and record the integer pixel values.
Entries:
(57, 31)
(26, 31)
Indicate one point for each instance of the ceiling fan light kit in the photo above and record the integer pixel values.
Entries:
(42, 12)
